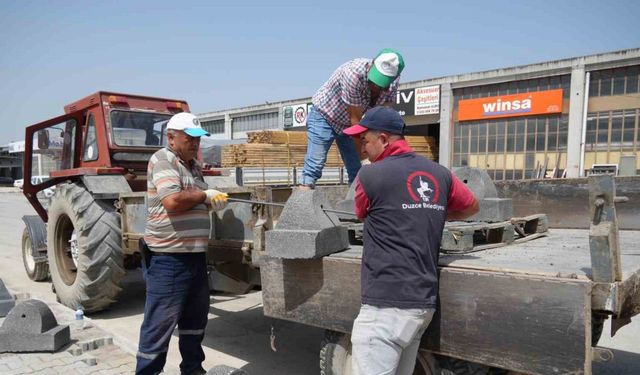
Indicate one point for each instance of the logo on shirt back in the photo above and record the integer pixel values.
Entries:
(424, 190)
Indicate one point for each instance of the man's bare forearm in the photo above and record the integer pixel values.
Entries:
(184, 200)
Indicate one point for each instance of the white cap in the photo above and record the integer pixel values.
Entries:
(187, 123)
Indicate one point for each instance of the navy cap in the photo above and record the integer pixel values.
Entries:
(380, 118)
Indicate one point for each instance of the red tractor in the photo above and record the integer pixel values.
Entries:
(94, 154)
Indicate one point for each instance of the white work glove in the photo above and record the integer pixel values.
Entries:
(216, 200)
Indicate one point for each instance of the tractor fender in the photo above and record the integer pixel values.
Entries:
(106, 186)
(37, 230)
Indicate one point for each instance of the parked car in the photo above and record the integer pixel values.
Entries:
(35, 180)
(6, 181)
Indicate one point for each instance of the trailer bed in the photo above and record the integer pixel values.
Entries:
(532, 300)
(564, 253)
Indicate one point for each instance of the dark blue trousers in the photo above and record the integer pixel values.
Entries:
(177, 294)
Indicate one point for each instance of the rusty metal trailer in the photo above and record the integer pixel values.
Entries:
(536, 307)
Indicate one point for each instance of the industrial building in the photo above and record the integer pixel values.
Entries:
(568, 117)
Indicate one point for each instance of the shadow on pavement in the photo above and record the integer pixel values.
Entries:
(246, 334)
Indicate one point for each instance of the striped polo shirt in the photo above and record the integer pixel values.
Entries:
(172, 231)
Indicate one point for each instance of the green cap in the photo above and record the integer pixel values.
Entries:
(386, 67)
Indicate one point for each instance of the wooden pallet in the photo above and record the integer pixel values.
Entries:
(460, 238)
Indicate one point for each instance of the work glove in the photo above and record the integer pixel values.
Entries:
(216, 200)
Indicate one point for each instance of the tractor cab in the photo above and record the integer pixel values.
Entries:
(103, 134)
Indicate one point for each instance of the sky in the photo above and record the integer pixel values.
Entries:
(226, 54)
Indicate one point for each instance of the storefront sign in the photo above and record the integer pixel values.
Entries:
(295, 115)
(525, 104)
(418, 102)
(427, 101)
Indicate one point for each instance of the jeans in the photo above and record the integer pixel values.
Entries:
(385, 340)
(177, 294)
(320, 136)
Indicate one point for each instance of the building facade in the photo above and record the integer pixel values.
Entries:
(558, 118)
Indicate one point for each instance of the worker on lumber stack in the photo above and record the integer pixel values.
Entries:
(404, 200)
(354, 87)
(174, 256)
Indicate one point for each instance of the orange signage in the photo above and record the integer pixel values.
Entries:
(525, 104)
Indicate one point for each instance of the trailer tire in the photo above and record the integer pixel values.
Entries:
(455, 366)
(37, 271)
(335, 356)
(84, 249)
(335, 353)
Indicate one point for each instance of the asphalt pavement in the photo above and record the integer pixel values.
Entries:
(237, 334)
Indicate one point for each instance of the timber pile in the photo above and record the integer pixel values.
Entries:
(278, 137)
(277, 148)
(423, 145)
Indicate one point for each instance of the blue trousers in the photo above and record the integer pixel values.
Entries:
(320, 136)
(177, 294)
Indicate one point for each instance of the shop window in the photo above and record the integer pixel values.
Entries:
(482, 144)
(618, 82)
(605, 86)
(603, 130)
(541, 133)
(499, 175)
(628, 126)
(632, 79)
(511, 136)
(473, 145)
(616, 128)
(594, 86)
(529, 160)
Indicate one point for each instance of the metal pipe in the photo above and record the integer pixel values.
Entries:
(238, 200)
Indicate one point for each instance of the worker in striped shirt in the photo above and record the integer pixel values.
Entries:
(177, 235)
(352, 89)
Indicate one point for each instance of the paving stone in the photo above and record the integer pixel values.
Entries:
(304, 230)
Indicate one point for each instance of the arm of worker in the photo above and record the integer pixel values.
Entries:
(355, 114)
(184, 200)
(168, 186)
(389, 96)
(351, 94)
(461, 202)
(361, 201)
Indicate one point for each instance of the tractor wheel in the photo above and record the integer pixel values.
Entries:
(37, 271)
(335, 356)
(84, 249)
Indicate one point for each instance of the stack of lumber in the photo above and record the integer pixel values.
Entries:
(423, 145)
(277, 148)
(278, 137)
(273, 148)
